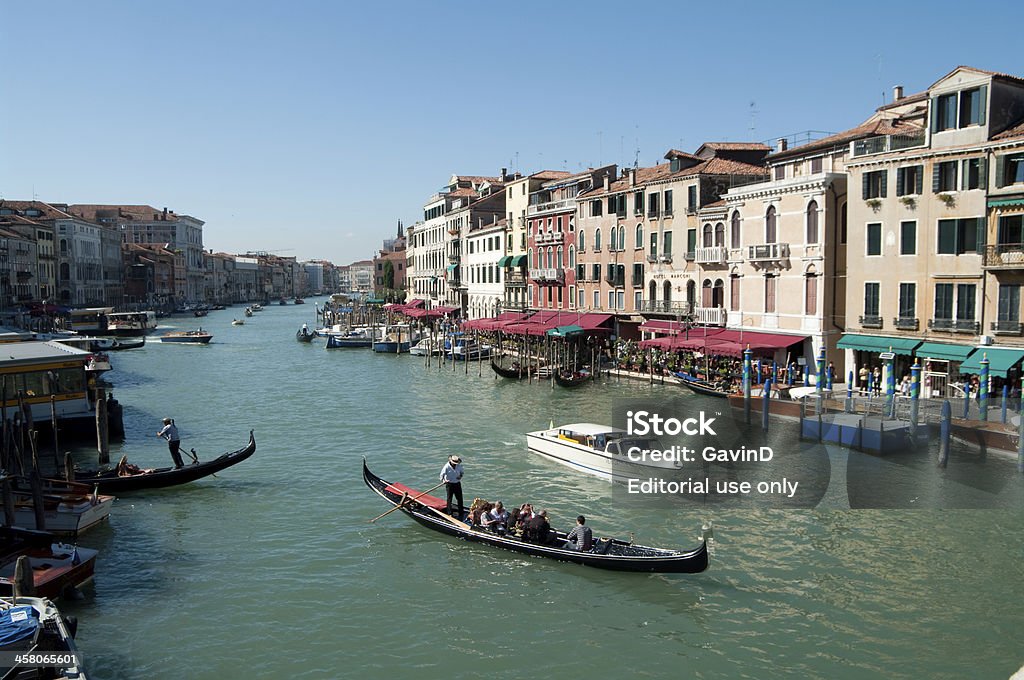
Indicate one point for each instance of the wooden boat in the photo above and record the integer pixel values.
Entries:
(516, 372)
(704, 387)
(68, 510)
(119, 344)
(134, 479)
(300, 301)
(607, 554)
(304, 335)
(572, 378)
(56, 567)
(197, 337)
(200, 312)
(248, 311)
(34, 626)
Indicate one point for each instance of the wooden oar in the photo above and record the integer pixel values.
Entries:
(405, 499)
(457, 522)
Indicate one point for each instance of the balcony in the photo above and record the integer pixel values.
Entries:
(887, 143)
(870, 321)
(549, 238)
(1004, 256)
(548, 275)
(665, 257)
(664, 307)
(515, 279)
(954, 326)
(1008, 327)
(768, 252)
(710, 316)
(711, 255)
(652, 259)
(551, 206)
(454, 281)
(905, 323)
(618, 280)
(454, 231)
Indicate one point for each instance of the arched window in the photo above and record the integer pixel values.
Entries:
(718, 294)
(735, 229)
(558, 261)
(65, 271)
(812, 222)
(536, 263)
(551, 255)
(770, 227)
(666, 292)
(705, 294)
(720, 234)
(597, 239)
(622, 237)
(572, 257)
(581, 240)
(706, 241)
(652, 293)
(639, 241)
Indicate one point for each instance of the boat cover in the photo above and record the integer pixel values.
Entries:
(17, 623)
(432, 501)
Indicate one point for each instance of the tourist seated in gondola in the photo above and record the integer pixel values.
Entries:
(538, 529)
(495, 519)
(477, 511)
(581, 538)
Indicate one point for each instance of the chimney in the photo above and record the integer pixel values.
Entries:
(632, 176)
(607, 182)
(782, 145)
(897, 93)
(504, 174)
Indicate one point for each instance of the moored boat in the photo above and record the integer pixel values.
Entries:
(67, 511)
(427, 345)
(56, 567)
(398, 338)
(704, 387)
(595, 449)
(607, 553)
(125, 477)
(33, 626)
(196, 337)
(513, 372)
(572, 378)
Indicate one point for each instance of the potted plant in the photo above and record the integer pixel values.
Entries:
(948, 198)
(908, 201)
(874, 203)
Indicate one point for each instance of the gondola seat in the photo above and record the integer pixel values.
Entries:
(432, 501)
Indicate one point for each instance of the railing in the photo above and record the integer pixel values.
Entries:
(1008, 255)
(711, 255)
(664, 307)
(905, 323)
(516, 280)
(767, 252)
(548, 274)
(652, 258)
(564, 204)
(615, 280)
(1008, 327)
(870, 321)
(710, 316)
(954, 326)
(665, 257)
(885, 143)
(689, 256)
(549, 237)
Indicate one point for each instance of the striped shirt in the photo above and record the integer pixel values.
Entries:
(582, 536)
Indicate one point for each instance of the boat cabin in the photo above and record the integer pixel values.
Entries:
(35, 371)
(90, 319)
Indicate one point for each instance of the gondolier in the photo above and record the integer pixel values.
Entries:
(451, 475)
(170, 433)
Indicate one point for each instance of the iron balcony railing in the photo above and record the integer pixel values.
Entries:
(1004, 255)
(905, 323)
(870, 321)
(955, 326)
(1007, 327)
(564, 204)
(886, 143)
(547, 274)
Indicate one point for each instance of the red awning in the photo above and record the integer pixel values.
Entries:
(662, 327)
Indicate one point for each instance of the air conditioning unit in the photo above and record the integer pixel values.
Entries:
(986, 340)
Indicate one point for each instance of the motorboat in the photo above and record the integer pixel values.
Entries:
(600, 450)
(462, 348)
(359, 336)
(426, 345)
(56, 567)
(238, 322)
(397, 338)
(196, 337)
(33, 626)
(67, 511)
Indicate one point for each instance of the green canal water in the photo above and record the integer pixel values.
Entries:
(272, 570)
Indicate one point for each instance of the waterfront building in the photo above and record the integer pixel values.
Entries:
(361, 277)
(937, 184)
(243, 280)
(518, 193)
(314, 278)
(475, 203)
(482, 273)
(149, 276)
(219, 267)
(390, 268)
(551, 239)
(18, 258)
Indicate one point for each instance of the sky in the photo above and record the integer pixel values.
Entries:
(309, 129)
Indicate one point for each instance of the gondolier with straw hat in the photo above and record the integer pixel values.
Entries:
(451, 475)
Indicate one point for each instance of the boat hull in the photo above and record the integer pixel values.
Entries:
(54, 569)
(187, 339)
(67, 518)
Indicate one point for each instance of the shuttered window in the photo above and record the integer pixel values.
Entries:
(871, 296)
(874, 184)
(908, 300)
(769, 293)
(811, 294)
(734, 293)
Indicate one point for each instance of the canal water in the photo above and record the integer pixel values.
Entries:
(272, 569)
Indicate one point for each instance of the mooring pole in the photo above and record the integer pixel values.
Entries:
(983, 389)
(766, 396)
(746, 384)
(915, 393)
(102, 440)
(944, 426)
(1003, 407)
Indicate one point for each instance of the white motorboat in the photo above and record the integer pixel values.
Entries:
(600, 450)
(428, 345)
(34, 627)
(65, 513)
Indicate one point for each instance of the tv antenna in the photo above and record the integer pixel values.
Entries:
(753, 119)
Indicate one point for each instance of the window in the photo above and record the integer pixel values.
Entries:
(638, 300)
(611, 299)
(720, 234)
(735, 229)
(1009, 170)
(965, 301)
(691, 198)
(974, 173)
(779, 172)
(908, 180)
(621, 298)
(874, 238)
(816, 165)
(668, 201)
(706, 299)
(597, 299)
(666, 244)
(944, 301)
(972, 107)
(638, 274)
(944, 176)
(595, 208)
(769, 294)
(944, 112)
(597, 240)
(572, 257)
(654, 245)
(1008, 310)
(582, 298)
(638, 237)
(871, 297)
(652, 205)
(957, 237)
(734, 293)
(596, 270)
(770, 227)
(812, 222)
(708, 237)
(908, 300)
(638, 203)
(875, 184)
(1010, 233)
(622, 236)
(908, 238)
(810, 294)
(581, 272)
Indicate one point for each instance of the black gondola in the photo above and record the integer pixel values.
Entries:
(517, 373)
(607, 554)
(304, 335)
(572, 379)
(704, 387)
(109, 481)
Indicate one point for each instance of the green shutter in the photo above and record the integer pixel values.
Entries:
(864, 185)
(936, 176)
(901, 181)
(919, 179)
(979, 223)
(935, 114)
(1000, 164)
(982, 97)
(885, 181)
(947, 237)
(983, 172)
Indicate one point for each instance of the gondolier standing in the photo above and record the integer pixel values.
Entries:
(170, 433)
(451, 475)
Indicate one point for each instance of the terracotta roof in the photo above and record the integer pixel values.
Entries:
(663, 171)
(49, 212)
(735, 146)
(994, 74)
(550, 174)
(872, 127)
(1012, 133)
(137, 213)
(675, 153)
(909, 99)
(720, 203)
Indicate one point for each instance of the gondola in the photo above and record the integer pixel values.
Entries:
(574, 379)
(512, 373)
(608, 553)
(109, 481)
(304, 335)
(702, 386)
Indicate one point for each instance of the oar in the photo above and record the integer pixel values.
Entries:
(404, 499)
(457, 522)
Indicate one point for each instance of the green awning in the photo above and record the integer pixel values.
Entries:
(565, 331)
(518, 260)
(504, 262)
(996, 202)
(450, 268)
(878, 343)
(999, 361)
(943, 350)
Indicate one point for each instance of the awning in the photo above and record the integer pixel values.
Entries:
(943, 350)
(878, 343)
(518, 260)
(999, 361)
(662, 327)
(996, 202)
(564, 331)
(505, 261)
(450, 268)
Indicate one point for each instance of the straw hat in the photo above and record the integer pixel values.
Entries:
(454, 460)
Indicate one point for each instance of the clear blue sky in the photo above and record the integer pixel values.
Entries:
(311, 128)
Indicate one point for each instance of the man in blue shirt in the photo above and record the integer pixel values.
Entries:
(451, 475)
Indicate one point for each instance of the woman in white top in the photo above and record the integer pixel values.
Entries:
(496, 519)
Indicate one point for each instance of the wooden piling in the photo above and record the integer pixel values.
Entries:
(53, 426)
(24, 579)
(36, 482)
(8, 501)
(69, 467)
(102, 434)
(944, 431)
